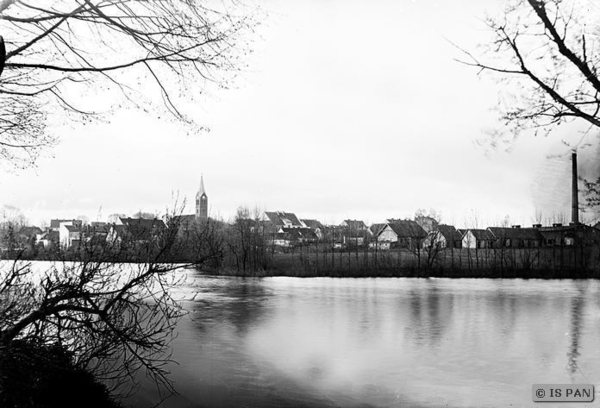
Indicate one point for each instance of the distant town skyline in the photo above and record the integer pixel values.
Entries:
(327, 121)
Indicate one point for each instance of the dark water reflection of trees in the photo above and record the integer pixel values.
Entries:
(577, 316)
(239, 305)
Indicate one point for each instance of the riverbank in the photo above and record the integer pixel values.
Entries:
(527, 263)
(414, 273)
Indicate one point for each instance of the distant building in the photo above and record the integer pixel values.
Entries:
(515, 237)
(96, 233)
(288, 237)
(569, 235)
(354, 232)
(69, 234)
(201, 202)
(376, 239)
(187, 222)
(282, 219)
(316, 226)
(403, 233)
(55, 224)
(477, 238)
(354, 225)
(135, 231)
(444, 236)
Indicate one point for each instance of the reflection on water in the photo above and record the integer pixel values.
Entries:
(577, 308)
(286, 342)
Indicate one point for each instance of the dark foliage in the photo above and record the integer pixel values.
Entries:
(42, 376)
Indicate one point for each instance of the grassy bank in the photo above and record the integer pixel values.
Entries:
(527, 263)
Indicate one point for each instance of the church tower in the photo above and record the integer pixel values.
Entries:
(201, 202)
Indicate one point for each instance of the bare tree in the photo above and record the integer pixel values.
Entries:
(113, 319)
(547, 53)
(246, 240)
(12, 215)
(60, 53)
(548, 47)
(432, 245)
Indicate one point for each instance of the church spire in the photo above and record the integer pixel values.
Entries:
(201, 190)
(201, 201)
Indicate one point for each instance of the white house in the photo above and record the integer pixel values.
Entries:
(477, 238)
(387, 234)
(406, 233)
(68, 234)
(443, 236)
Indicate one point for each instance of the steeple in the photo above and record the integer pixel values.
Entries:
(201, 201)
(201, 190)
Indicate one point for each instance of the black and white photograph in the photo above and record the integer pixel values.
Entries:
(299, 203)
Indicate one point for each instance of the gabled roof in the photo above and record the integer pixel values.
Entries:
(142, 228)
(56, 223)
(73, 228)
(355, 224)
(527, 234)
(449, 232)
(314, 224)
(480, 234)
(279, 218)
(143, 222)
(407, 229)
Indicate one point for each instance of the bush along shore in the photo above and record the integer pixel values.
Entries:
(526, 263)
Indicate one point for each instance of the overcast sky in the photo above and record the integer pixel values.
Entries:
(348, 109)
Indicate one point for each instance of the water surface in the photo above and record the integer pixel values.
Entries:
(381, 342)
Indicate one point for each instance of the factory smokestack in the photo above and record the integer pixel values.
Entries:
(574, 191)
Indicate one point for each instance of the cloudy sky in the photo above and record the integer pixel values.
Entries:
(347, 109)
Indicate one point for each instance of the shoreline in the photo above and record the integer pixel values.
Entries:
(414, 273)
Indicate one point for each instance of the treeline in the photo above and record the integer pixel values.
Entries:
(545, 263)
(246, 246)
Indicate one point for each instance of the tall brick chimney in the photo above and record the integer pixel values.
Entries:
(574, 191)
